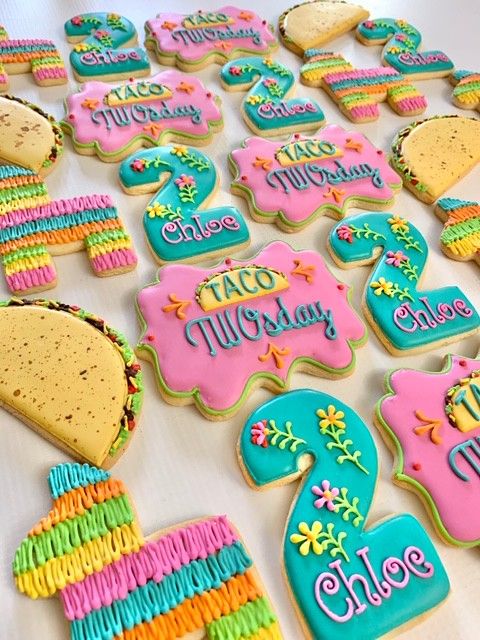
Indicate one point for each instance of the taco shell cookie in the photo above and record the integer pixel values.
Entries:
(70, 377)
(191, 580)
(29, 137)
(434, 154)
(312, 24)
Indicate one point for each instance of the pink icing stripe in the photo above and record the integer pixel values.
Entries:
(156, 559)
(32, 278)
(21, 43)
(408, 104)
(50, 72)
(365, 111)
(55, 208)
(114, 260)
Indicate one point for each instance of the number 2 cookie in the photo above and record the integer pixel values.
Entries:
(243, 324)
(294, 182)
(194, 579)
(405, 317)
(431, 421)
(348, 581)
(70, 377)
(193, 41)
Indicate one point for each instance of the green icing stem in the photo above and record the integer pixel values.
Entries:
(68, 535)
(242, 624)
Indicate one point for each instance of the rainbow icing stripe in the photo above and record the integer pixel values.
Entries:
(40, 56)
(30, 222)
(358, 91)
(460, 237)
(114, 583)
(466, 93)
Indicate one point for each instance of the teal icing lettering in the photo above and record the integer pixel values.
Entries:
(465, 449)
(230, 287)
(200, 322)
(250, 315)
(242, 275)
(214, 286)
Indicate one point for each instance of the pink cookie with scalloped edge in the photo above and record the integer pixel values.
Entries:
(193, 41)
(431, 421)
(112, 121)
(295, 182)
(243, 324)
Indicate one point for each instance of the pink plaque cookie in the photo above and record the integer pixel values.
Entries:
(293, 183)
(193, 41)
(432, 423)
(245, 323)
(114, 120)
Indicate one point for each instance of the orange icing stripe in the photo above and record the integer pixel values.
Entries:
(76, 502)
(194, 613)
(462, 214)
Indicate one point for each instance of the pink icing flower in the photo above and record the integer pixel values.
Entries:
(259, 433)
(236, 71)
(369, 24)
(101, 33)
(185, 181)
(77, 21)
(327, 495)
(138, 165)
(269, 81)
(401, 36)
(395, 258)
(344, 233)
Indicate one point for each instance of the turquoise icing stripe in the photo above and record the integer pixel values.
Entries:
(11, 171)
(56, 223)
(153, 599)
(66, 477)
(9, 49)
(449, 204)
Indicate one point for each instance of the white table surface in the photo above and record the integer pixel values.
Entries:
(180, 465)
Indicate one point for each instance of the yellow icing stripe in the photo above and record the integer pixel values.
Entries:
(24, 203)
(271, 633)
(25, 264)
(73, 567)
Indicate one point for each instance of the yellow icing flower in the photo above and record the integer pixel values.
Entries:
(114, 16)
(81, 47)
(179, 150)
(401, 23)
(308, 537)
(156, 209)
(331, 418)
(382, 286)
(398, 224)
(254, 99)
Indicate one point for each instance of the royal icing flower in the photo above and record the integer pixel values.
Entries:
(101, 33)
(326, 495)
(77, 21)
(401, 23)
(308, 537)
(268, 82)
(82, 46)
(401, 37)
(236, 71)
(395, 258)
(398, 224)
(114, 16)
(331, 418)
(254, 99)
(394, 50)
(179, 150)
(369, 24)
(344, 233)
(185, 181)
(382, 286)
(156, 209)
(138, 165)
(259, 433)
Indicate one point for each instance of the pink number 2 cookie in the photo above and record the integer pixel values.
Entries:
(431, 421)
(193, 41)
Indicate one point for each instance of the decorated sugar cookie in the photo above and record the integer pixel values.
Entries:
(294, 182)
(192, 41)
(70, 377)
(176, 222)
(104, 47)
(348, 580)
(29, 136)
(312, 24)
(466, 93)
(434, 154)
(460, 238)
(401, 49)
(40, 57)
(192, 578)
(357, 92)
(267, 108)
(245, 323)
(112, 121)
(33, 228)
(405, 317)
(431, 421)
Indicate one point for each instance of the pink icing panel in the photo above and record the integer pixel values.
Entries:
(192, 52)
(221, 379)
(298, 205)
(457, 500)
(86, 131)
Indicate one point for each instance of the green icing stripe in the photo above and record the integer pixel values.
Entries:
(460, 230)
(110, 235)
(467, 88)
(245, 622)
(13, 194)
(24, 253)
(66, 536)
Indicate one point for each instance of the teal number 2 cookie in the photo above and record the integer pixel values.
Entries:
(348, 581)
(177, 225)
